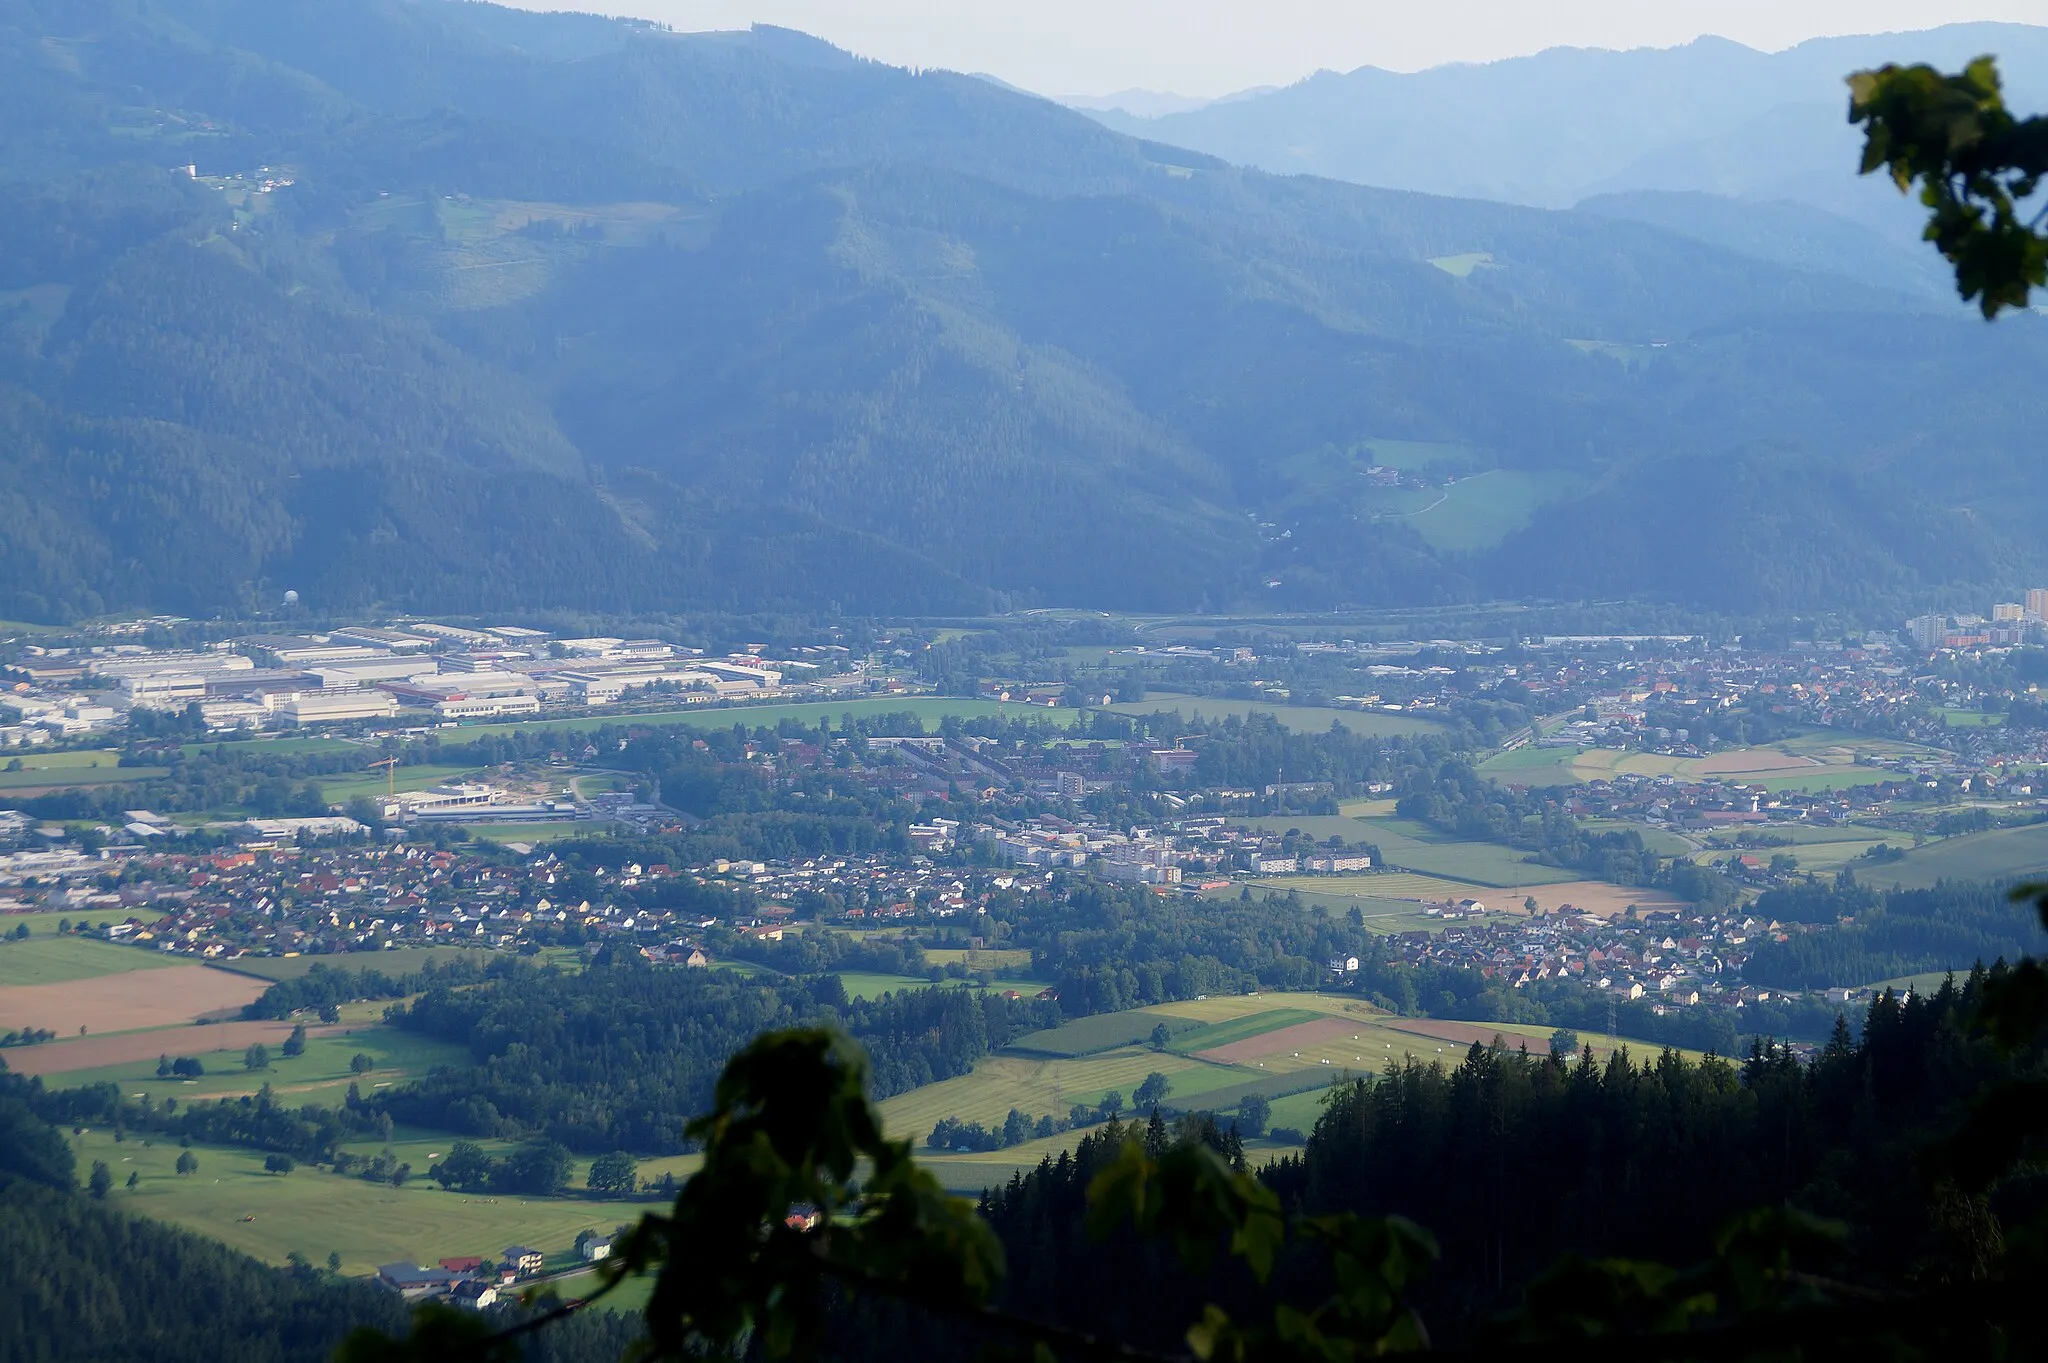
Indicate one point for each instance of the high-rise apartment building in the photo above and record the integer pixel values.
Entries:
(2037, 603)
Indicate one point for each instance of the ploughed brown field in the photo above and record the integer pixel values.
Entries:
(126, 1001)
(91, 1052)
(1286, 1039)
(1593, 896)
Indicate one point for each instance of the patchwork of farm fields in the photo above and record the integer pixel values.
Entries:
(321, 1074)
(1810, 762)
(1287, 1047)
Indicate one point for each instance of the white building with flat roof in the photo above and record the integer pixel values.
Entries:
(321, 707)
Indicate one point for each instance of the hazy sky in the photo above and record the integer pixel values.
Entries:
(1208, 47)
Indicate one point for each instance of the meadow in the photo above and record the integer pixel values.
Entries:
(1997, 854)
(41, 771)
(321, 1075)
(1420, 851)
(1378, 914)
(313, 1212)
(53, 959)
(1300, 718)
(371, 784)
(1816, 761)
(1480, 511)
(398, 961)
(1101, 1032)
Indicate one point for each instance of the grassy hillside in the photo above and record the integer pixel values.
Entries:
(1999, 854)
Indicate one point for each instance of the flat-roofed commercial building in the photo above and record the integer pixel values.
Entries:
(323, 707)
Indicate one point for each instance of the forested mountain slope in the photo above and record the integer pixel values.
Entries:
(461, 307)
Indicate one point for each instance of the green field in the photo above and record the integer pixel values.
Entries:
(1005, 959)
(1414, 846)
(86, 767)
(1481, 511)
(370, 784)
(1038, 1086)
(1530, 765)
(1662, 841)
(399, 961)
(1803, 835)
(1099, 1032)
(929, 709)
(1830, 763)
(1999, 854)
(1462, 265)
(1385, 885)
(1379, 915)
(53, 960)
(1212, 1034)
(322, 1075)
(1300, 718)
(231, 1199)
(1409, 846)
(1299, 1110)
(864, 985)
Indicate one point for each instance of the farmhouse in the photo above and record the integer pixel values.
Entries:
(413, 1282)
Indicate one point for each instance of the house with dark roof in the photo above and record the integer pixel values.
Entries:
(412, 1282)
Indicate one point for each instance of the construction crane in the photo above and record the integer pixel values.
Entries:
(390, 765)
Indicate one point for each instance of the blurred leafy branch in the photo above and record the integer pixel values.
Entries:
(1977, 166)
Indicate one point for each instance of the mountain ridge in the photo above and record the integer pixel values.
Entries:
(477, 309)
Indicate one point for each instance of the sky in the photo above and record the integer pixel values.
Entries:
(1211, 47)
